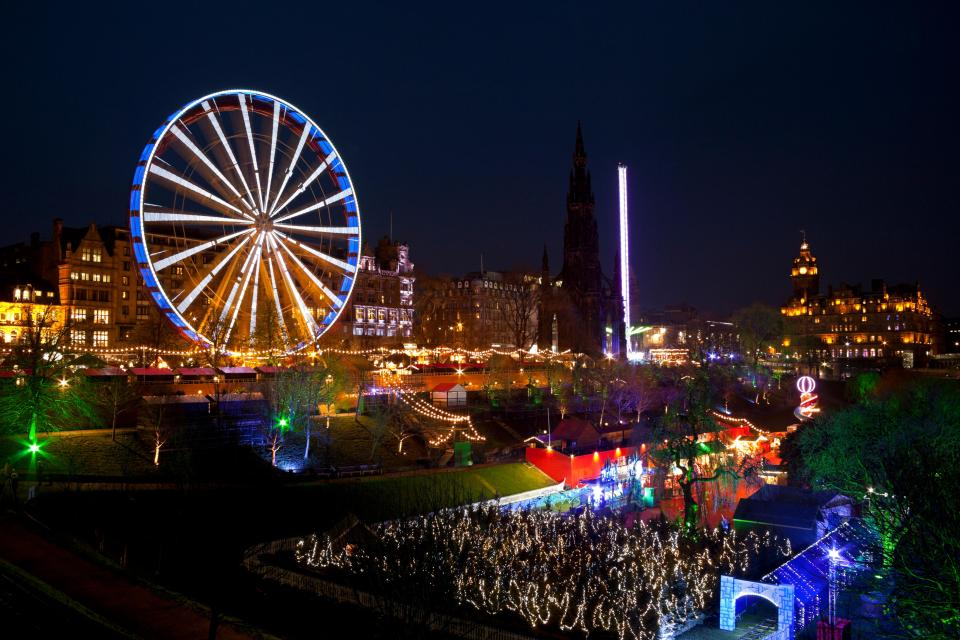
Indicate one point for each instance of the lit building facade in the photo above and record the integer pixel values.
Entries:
(890, 323)
(97, 283)
(382, 303)
(26, 299)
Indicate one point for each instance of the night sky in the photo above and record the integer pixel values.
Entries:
(740, 127)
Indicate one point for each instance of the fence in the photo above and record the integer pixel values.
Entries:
(255, 563)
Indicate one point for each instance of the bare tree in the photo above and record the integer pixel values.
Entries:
(520, 309)
(116, 397)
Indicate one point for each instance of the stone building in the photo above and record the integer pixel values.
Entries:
(97, 282)
(381, 307)
(885, 323)
(480, 310)
(25, 298)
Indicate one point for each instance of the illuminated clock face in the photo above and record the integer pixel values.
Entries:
(803, 270)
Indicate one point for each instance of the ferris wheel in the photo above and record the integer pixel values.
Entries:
(245, 224)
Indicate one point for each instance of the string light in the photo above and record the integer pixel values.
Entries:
(585, 573)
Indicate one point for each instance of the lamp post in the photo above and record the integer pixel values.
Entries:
(834, 557)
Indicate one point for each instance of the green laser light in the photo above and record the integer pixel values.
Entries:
(34, 447)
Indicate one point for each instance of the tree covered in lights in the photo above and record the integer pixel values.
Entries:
(43, 394)
(898, 451)
(585, 573)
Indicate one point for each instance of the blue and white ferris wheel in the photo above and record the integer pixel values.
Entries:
(245, 223)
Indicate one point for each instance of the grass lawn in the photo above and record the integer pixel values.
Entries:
(384, 498)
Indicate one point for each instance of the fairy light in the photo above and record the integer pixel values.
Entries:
(585, 573)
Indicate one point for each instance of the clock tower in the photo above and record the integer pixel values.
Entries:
(805, 275)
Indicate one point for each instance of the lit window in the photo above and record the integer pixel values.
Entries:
(85, 255)
(78, 336)
(85, 276)
(107, 278)
(99, 338)
(74, 275)
(97, 277)
(78, 315)
(101, 316)
(358, 314)
(97, 255)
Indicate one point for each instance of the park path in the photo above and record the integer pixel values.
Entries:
(130, 605)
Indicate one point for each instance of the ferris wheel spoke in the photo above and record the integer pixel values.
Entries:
(202, 157)
(335, 299)
(345, 267)
(306, 183)
(293, 163)
(232, 305)
(276, 301)
(337, 197)
(197, 193)
(310, 324)
(215, 122)
(162, 264)
(273, 151)
(193, 218)
(319, 231)
(253, 297)
(184, 304)
(253, 152)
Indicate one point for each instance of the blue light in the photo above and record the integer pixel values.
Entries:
(139, 252)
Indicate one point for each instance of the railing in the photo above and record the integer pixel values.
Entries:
(254, 562)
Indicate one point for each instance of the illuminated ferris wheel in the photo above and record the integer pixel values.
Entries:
(245, 224)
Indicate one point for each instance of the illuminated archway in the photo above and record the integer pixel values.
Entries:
(781, 595)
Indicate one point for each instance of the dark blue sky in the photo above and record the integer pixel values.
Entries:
(740, 126)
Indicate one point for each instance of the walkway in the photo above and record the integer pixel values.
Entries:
(127, 604)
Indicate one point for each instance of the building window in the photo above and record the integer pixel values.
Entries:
(103, 296)
(99, 338)
(126, 265)
(371, 315)
(126, 251)
(125, 280)
(85, 276)
(125, 310)
(124, 295)
(143, 312)
(97, 277)
(107, 278)
(78, 336)
(97, 255)
(74, 275)
(101, 316)
(78, 315)
(358, 314)
(85, 255)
